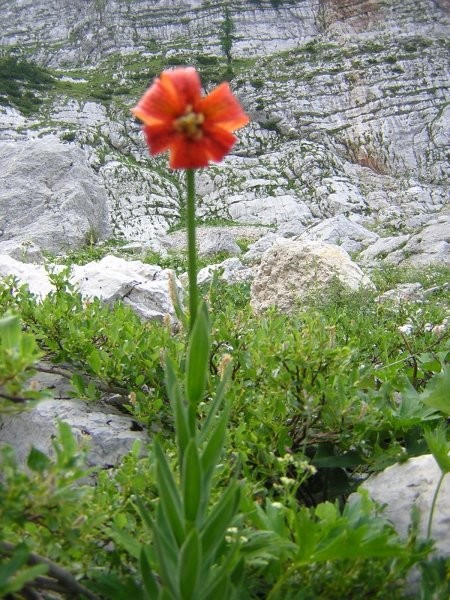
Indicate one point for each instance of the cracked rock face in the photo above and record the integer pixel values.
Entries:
(49, 195)
(348, 101)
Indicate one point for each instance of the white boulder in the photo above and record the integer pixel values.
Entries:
(291, 270)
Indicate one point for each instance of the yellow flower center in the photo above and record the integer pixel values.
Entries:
(190, 124)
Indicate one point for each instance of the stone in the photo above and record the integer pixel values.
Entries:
(108, 433)
(340, 231)
(177, 240)
(413, 483)
(291, 271)
(49, 195)
(404, 292)
(268, 210)
(145, 288)
(27, 252)
(216, 242)
(231, 270)
(257, 250)
(382, 248)
(431, 246)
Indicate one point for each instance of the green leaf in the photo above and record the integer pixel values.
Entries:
(144, 513)
(214, 448)
(219, 520)
(439, 446)
(79, 384)
(169, 495)
(189, 566)
(127, 541)
(215, 405)
(150, 585)
(166, 550)
(10, 331)
(192, 481)
(218, 588)
(178, 408)
(197, 365)
(38, 461)
(437, 393)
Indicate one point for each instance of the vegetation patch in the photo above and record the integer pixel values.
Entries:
(22, 83)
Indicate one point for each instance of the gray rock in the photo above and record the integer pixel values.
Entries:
(268, 210)
(404, 292)
(431, 246)
(27, 252)
(34, 276)
(412, 484)
(340, 231)
(49, 195)
(177, 240)
(382, 248)
(291, 270)
(110, 434)
(218, 241)
(257, 250)
(231, 271)
(145, 288)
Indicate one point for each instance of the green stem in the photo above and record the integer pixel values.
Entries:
(192, 249)
(433, 503)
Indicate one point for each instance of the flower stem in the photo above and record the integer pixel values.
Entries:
(433, 503)
(192, 249)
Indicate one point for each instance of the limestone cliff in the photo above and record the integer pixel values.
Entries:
(349, 103)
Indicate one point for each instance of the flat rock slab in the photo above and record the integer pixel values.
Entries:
(110, 434)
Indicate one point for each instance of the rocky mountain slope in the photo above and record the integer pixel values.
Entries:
(348, 101)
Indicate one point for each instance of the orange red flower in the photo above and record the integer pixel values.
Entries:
(195, 129)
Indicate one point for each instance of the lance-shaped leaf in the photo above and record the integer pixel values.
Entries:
(218, 521)
(151, 587)
(216, 403)
(170, 499)
(189, 566)
(166, 551)
(192, 482)
(178, 409)
(214, 448)
(198, 359)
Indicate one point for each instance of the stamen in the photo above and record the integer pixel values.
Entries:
(190, 124)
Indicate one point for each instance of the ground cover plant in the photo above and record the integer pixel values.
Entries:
(261, 426)
(313, 408)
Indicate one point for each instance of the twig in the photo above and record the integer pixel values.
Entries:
(110, 389)
(18, 399)
(63, 577)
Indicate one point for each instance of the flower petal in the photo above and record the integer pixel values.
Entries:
(188, 154)
(159, 138)
(193, 154)
(221, 107)
(168, 97)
